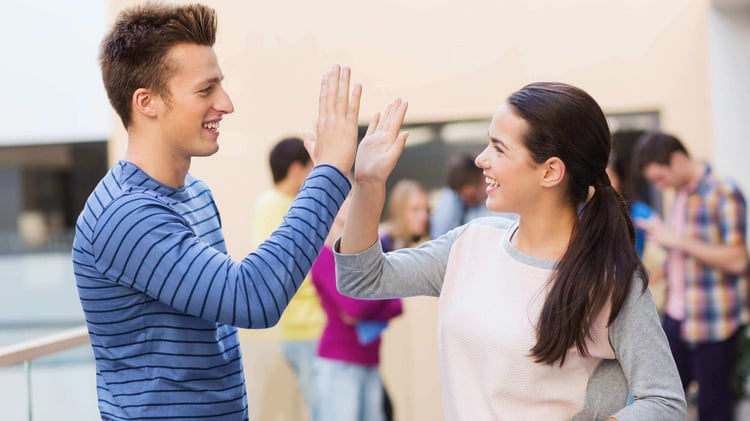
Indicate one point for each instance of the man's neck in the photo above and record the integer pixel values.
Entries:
(696, 171)
(158, 162)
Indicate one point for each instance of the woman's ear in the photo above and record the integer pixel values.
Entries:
(145, 102)
(553, 172)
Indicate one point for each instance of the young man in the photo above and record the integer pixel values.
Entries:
(706, 270)
(159, 293)
(304, 318)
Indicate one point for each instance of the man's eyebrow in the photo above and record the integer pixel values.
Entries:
(211, 80)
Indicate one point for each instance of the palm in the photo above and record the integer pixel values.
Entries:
(382, 145)
(338, 113)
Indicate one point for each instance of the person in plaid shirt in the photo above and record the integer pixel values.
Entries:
(706, 270)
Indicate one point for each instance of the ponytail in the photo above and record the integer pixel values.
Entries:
(597, 268)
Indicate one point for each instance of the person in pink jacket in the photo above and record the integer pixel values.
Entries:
(348, 380)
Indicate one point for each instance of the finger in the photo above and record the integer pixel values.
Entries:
(342, 100)
(388, 124)
(397, 119)
(333, 88)
(381, 120)
(323, 98)
(354, 103)
(373, 124)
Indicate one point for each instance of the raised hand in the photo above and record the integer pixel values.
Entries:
(382, 146)
(377, 155)
(338, 115)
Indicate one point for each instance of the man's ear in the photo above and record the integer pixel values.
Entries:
(146, 102)
(553, 172)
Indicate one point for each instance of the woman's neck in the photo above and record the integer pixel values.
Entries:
(545, 235)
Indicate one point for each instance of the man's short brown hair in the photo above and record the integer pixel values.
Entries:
(133, 54)
(656, 147)
(462, 171)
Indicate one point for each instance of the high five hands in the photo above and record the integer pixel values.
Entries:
(338, 116)
(382, 146)
(336, 142)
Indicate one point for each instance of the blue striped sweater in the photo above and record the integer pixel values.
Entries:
(161, 295)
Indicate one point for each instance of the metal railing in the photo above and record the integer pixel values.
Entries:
(27, 351)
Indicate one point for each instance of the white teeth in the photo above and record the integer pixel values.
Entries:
(490, 182)
(211, 126)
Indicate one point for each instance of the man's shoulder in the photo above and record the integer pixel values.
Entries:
(723, 186)
(133, 202)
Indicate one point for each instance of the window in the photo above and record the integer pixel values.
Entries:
(44, 189)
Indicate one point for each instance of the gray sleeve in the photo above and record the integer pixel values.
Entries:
(401, 273)
(642, 350)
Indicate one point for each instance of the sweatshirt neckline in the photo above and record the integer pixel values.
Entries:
(523, 257)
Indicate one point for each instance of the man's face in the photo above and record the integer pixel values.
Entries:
(189, 119)
(662, 176)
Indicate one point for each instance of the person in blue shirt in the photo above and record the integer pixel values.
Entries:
(462, 200)
(160, 295)
(628, 183)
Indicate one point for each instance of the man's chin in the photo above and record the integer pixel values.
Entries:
(206, 152)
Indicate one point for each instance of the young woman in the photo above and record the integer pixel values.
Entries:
(407, 224)
(408, 216)
(543, 318)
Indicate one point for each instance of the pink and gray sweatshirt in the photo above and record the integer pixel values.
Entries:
(490, 297)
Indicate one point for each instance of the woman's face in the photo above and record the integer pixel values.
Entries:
(512, 177)
(417, 213)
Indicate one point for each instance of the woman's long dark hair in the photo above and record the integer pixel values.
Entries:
(599, 264)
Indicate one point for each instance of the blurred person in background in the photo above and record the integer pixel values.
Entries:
(347, 370)
(706, 269)
(634, 189)
(304, 319)
(624, 181)
(462, 199)
(407, 224)
(407, 217)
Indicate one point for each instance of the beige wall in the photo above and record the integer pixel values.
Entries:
(449, 59)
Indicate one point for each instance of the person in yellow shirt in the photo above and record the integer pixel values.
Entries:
(304, 319)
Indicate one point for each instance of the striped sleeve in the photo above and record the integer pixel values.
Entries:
(142, 243)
